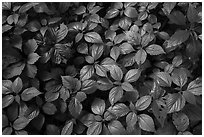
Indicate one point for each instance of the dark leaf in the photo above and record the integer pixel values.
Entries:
(27, 6)
(32, 58)
(49, 108)
(17, 85)
(177, 17)
(75, 107)
(33, 26)
(180, 121)
(29, 93)
(192, 14)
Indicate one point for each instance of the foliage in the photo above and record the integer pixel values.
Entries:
(74, 68)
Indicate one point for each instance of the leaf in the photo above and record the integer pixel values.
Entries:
(29, 93)
(13, 70)
(115, 94)
(32, 58)
(180, 121)
(6, 86)
(115, 52)
(6, 28)
(140, 56)
(131, 12)
(80, 10)
(189, 97)
(30, 46)
(143, 102)
(61, 33)
(49, 108)
(132, 75)
(68, 128)
(177, 61)
(98, 106)
(179, 77)
(193, 112)
(175, 102)
(42, 8)
(93, 37)
(119, 109)
(126, 48)
(33, 26)
(86, 72)
(95, 128)
(71, 83)
(116, 73)
(104, 84)
(177, 17)
(27, 6)
(119, 38)
(131, 119)
(112, 13)
(88, 119)
(195, 87)
(75, 107)
(109, 34)
(177, 38)
(125, 23)
(88, 86)
(146, 39)
(31, 70)
(155, 49)
(168, 7)
(127, 86)
(80, 96)
(20, 123)
(7, 100)
(97, 51)
(6, 5)
(82, 48)
(160, 111)
(164, 79)
(100, 70)
(116, 128)
(192, 14)
(17, 85)
(146, 123)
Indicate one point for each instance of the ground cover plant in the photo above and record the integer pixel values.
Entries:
(102, 68)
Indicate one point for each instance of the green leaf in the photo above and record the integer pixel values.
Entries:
(7, 100)
(6, 5)
(49, 108)
(155, 49)
(100, 70)
(112, 13)
(119, 38)
(132, 75)
(195, 87)
(32, 58)
(33, 26)
(80, 10)
(175, 102)
(27, 6)
(6, 28)
(192, 14)
(119, 109)
(140, 56)
(30, 46)
(131, 12)
(143, 102)
(127, 86)
(93, 37)
(168, 7)
(104, 84)
(125, 23)
(116, 73)
(164, 79)
(116, 128)
(180, 121)
(88, 119)
(6, 87)
(61, 33)
(115, 52)
(193, 112)
(29, 93)
(160, 111)
(146, 123)
(98, 106)
(89, 86)
(13, 70)
(82, 48)
(177, 61)
(71, 83)
(97, 51)
(7, 131)
(177, 38)
(17, 85)
(52, 129)
(126, 48)
(95, 128)
(68, 128)
(177, 17)
(5, 121)
(115, 94)
(179, 77)
(189, 97)
(86, 72)
(109, 34)
(31, 70)
(131, 119)
(80, 96)
(75, 107)
(20, 123)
